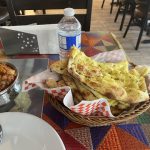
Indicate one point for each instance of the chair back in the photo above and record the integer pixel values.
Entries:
(14, 6)
(146, 8)
(3, 3)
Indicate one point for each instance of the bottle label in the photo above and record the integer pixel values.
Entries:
(66, 42)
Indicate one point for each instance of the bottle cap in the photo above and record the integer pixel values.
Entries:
(69, 12)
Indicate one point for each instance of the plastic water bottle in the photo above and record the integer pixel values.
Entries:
(69, 33)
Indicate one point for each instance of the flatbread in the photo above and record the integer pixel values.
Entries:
(143, 70)
(112, 80)
(86, 94)
(59, 66)
(61, 83)
(51, 83)
(96, 94)
(76, 93)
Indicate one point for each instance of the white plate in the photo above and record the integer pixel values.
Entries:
(23, 131)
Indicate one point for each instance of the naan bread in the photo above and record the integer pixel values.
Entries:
(61, 83)
(76, 93)
(96, 94)
(143, 70)
(112, 80)
(90, 94)
(50, 83)
(86, 94)
(59, 66)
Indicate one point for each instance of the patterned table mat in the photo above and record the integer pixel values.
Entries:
(130, 135)
(94, 43)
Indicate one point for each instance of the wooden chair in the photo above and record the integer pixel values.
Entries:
(142, 12)
(17, 5)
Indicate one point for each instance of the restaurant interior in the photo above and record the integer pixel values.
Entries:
(97, 98)
(103, 16)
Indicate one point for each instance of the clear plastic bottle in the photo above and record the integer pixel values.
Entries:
(69, 33)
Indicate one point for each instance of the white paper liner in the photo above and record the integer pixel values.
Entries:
(112, 56)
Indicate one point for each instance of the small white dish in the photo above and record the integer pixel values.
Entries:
(23, 131)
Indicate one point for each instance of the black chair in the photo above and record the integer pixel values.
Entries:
(141, 12)
(124, 7)
(4, 15)
(112, 4)
(17, 5)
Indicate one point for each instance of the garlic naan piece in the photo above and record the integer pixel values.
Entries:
(59, 66)
(113, 80)
(70, 82)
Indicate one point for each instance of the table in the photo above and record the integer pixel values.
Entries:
(134, 134)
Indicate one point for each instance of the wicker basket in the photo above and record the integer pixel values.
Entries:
(96, 120)
(93, 121)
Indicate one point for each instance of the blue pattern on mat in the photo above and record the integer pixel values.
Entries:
(97, 134)
(56, 116)
(136, 131)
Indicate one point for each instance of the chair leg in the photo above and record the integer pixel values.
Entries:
(141, 33)
(124, 15)
(117, 13)
(112, 4)
(103, 3)
(44, 11)
(148, 30)
(23, 12)
(117, 2)
(128, 26)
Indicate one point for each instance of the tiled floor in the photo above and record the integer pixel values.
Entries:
(103, 20)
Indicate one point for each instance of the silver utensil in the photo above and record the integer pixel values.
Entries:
(1, 134)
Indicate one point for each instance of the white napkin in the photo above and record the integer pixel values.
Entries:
(46, 35)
